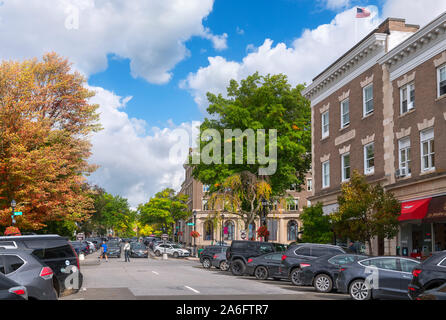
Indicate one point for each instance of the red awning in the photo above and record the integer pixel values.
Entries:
(414, 210)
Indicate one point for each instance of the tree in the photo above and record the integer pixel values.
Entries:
(316, 227)
(164, 209)
(366, 211)
(45, 124)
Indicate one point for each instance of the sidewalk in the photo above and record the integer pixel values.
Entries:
(91, 259)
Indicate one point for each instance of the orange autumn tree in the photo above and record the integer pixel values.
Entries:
(45, 124)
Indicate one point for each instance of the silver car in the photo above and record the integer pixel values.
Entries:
(171, 249)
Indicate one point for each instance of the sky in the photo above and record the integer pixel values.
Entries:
(151, 63)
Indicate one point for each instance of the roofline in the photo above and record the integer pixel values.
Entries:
(32, 236)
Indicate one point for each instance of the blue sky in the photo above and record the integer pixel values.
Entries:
(151, 63)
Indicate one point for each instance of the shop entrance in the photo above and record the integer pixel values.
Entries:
(440, 236)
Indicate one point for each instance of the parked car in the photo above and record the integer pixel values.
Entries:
(171, 249)
(323, 271)
(114, 249)
(265, 266)
(207, 255)
(54, 251)
(80, 247)
(91, 246)
(219, 261)
(302, 253)
(377, 277)
(439, 293)
(430, 274)
(11, 290)
(240, 251)
(138, 250)
(22, 267)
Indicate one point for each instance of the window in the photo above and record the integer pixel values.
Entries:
(252, 231)
(13, 263)
(408, 265)
(407, 97)
(383, 263)
(205, 188)
(326, 174)
(292, 231)
(303, 251)
(293, 204)
(272, 226)
(205, 206)
(345, 159)
(369, 159)
(404, 156)
(443, 263)
(208, 230)
(368, 99)
(309, 184)
(325, 124)
(2, 266)
(427, 150)
(266, 248)
(345, 113)
(441, 81)
(228, 230)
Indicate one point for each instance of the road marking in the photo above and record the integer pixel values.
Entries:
(192, 289)
(156, 273)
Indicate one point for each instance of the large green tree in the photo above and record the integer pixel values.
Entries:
(366, 211)
(316, 227)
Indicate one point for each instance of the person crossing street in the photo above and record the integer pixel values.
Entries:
(127, 251)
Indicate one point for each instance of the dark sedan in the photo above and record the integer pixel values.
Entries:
(113, 249)
(219, 261)
(138, 250)
(377, 277)
(265, 266)
(323, 271)
(11, 290)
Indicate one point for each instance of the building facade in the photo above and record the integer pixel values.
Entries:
(381, 109)
(282, 222)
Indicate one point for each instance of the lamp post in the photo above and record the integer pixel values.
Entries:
(222, 218)
(195, 229)
(13, 205)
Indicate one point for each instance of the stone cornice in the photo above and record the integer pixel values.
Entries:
(368, 139)
(344, 149)
(344, 95)
(406, 79)
(438, 62)
(403, 133)
(367, 81)
(426, 124)
(345, 137)
(325, 158)
(325, 108)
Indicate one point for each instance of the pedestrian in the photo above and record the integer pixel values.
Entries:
(104, 251)
(352, 247)
(127, 251)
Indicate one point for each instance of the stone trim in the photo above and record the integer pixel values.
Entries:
(325, 108)
(444, 114)
(406, 79)
(438, 62)
(367, 81)
(344, 149)
(368, 139)
(325, 158)
(426, 124)
(345, 137)
(344, 95)
(403, 133)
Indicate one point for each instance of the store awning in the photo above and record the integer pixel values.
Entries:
(414, 210)
(436, 211)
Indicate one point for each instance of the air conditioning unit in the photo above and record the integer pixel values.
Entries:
(410, 106)
(402, 172)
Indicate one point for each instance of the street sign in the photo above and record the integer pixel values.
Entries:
(165, 237)
(17, 213)
(190, 223)
(243, 234)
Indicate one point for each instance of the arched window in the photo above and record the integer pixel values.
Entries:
(229, 230)
(292, 230)
(252, 232)
(208, 230)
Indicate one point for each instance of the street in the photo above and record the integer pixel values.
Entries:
(172, 279)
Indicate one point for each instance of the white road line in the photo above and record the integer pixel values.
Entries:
(192, 289)
(156, 273)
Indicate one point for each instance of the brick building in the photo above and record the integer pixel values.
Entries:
(381, 109)
(282, 223)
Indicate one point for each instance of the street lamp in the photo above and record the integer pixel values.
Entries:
(222, 218)
(195, 229)
(13, 205)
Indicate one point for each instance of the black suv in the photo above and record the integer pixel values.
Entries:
(241, 250)
(208, 254)
(430, 274)
(302, 253)
(54, 251)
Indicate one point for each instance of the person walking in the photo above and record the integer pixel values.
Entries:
(104, 251)
(127, 251)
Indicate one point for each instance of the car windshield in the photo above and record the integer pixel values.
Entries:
(138, 246)
(176, 246)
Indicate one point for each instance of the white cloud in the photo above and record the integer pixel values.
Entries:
(135, 162)
(151, 33)
(336, 4)
(414, 11)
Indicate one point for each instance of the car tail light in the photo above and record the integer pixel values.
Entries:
(77, 258)
(20, 291)
(284, 257)
(412, 289)
(342, 269)
(416, 272)
(46, 273)
(249, 260)
(215, 256)
(304, 265)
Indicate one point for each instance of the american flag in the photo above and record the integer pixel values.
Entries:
(362, 13)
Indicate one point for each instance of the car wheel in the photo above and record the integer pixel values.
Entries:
(261, 273)
(157, 253)
(237, 268)
(295, 277)
(224, 266)
(176, 255)
(323, 283)
(359, 290)
(206, 263)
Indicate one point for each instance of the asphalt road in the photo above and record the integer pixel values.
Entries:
(181, 279)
